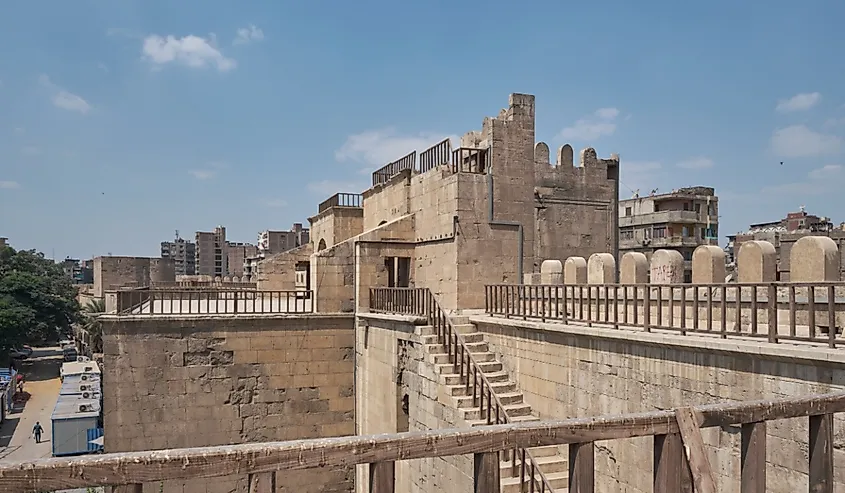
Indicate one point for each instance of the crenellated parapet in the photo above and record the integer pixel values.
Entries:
(590, 169)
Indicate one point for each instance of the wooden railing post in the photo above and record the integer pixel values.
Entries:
(671, 469)
(486, 473)
(753, 458)
(582, 468)
(821, 453)
(382, 477)
(264, 482)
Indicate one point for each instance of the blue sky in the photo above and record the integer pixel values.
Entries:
(124, 120)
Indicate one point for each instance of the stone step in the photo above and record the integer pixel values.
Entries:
(445, 358)
(548, 464)
(465, 328)
(459, 319)
(513, 410)
(487, 366)
(514, 419)
(453, 379)
(424, 330)
(558, 480)
(498, 387)
(473, 347)
(506, 398)
(435, 339)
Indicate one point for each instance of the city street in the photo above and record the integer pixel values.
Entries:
(41, 373)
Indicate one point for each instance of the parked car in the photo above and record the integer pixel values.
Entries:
(26, 349)
(69, 353)
(16, 353)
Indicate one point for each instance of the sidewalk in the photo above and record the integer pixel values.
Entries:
(41, 374)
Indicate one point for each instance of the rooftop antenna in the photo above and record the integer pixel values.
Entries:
(177, 234)
(801, 208)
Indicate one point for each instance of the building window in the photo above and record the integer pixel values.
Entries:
(626, 234)
(698, 208)
(659, 232)
(628, 211)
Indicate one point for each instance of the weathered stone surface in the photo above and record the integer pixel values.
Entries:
(601, 269)
(756, 262)
(551, 272)
(708, 265)
(191, 381)
(633, 268)
(575, 271)
(667, 267)
(814, 259)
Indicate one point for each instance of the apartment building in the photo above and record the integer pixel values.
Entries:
(273, 242)
(212, 257)
(783, 233)
(680, 220)
(237, 255)
(183, 253)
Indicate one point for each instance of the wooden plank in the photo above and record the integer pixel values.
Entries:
(264, 482)
(486, 473)
(821, 453)
(753, 458)
(202, 462)
(582, 467)
(671, 468)
(382, 477)
(702, 473)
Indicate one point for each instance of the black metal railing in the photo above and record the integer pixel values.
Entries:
(806, 312)
(436, 155)
(341, 200)
(422, 302)
(388, 171)
(470, 160)
(212, 302)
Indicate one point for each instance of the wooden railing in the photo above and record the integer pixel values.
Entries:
(421, 302)
(212, 301)
(435, 155)
(807, 312)
(679, 455)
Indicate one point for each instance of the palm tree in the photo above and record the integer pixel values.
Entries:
(91, 324)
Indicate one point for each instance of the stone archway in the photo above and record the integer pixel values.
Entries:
(322, 245)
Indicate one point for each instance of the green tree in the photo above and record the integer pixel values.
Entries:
(37, 300)
(92, 325)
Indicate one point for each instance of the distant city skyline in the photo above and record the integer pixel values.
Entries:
(148, 117)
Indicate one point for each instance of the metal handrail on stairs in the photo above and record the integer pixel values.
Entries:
(422, 302)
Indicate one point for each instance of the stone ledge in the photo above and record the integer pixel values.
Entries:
(782, 351)
(390, 317)
(186, 324)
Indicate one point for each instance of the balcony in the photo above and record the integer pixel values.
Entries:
(342, 200)
(663, 217)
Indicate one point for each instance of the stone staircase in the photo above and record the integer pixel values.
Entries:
(552, 461)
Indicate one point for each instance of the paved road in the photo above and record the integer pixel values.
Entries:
(41, 373)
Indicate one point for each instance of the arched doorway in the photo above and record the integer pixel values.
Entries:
(322, 245)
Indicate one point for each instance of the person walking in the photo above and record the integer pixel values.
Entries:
(37, 430)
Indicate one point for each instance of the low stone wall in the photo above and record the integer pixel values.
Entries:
(391, 364)
(569, 371)
(191, 381)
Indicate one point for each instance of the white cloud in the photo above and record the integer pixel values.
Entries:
(375, 148)
(102, 66)
(9, 184)
(602, 122)
(191, 51)
(248, 34)
(31, 151)
(19, 130)
(827, 171)
(203, 174)
(800, 141)
(209, 171)
(64, 99)
(274, 202)
(696, 163)
(799, 102)
(639, 176)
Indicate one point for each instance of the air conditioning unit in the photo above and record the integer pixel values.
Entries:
(84, 408)
(84, 377)
(84, 387)
(86, 395)
(89, 368)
